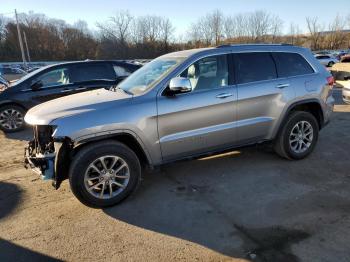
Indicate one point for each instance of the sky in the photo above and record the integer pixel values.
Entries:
(181, 12)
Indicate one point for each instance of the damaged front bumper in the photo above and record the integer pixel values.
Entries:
(46, 157)
(42, 164)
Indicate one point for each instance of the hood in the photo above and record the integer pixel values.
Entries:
(100, 99)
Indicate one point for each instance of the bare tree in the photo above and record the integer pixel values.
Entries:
(118, 26)
(208, 29)
(216, 20)
(166, 30)
(259, 25)
(336, 36)
(3, 23)
(315, 32)
(236, 27)
(276, 25)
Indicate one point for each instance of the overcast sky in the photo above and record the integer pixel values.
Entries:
(181, 12)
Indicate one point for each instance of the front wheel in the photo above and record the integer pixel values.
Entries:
(104, 173)
(298, 137)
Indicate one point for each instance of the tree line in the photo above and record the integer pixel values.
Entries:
(124, 36)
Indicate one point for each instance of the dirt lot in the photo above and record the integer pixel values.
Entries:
(246, 205)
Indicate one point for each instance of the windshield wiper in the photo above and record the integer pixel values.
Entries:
(115, 88)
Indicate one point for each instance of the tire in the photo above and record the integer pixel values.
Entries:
(330, 64)
(82, 173)
(17, 121)
(287, 142)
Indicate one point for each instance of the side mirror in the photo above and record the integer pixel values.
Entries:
(180, 85)
(36, 85)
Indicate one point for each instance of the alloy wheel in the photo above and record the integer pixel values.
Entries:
(301, 137)
(107, 176)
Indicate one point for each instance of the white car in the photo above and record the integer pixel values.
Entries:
(326, 60)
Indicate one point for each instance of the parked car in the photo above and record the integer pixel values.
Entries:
(11, 74)
(181, 105)
(341, 73)
(56, 81)
(326, 60)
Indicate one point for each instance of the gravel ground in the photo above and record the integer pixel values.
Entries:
(248, 205)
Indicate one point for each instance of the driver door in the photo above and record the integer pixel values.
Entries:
(202, 120)
(52, 84)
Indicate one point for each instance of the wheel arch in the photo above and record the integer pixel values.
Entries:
(9, 102)
(128, 138)
(312, 106)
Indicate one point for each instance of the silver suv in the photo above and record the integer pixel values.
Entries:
(180, 105)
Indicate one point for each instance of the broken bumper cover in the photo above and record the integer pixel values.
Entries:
(44, 165)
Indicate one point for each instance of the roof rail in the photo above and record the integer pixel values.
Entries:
(258, 44)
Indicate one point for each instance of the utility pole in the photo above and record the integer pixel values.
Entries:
(20, 41)
(25, 41)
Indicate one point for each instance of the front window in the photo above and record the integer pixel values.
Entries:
(55, 77)
(144, 78)
(208, 73)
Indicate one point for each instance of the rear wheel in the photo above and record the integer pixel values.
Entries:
(330, 64)
(104, 173)
(11, 118)
(298, 137)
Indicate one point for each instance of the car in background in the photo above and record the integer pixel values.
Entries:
(12, 74)
(324, 52)
(341, 74)
(326, 60)
(340, 54)
(55, 81)
(3, 83)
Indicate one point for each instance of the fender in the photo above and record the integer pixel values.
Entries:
(284, 116)
(113, 133)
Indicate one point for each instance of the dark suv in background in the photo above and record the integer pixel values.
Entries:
(56, 81)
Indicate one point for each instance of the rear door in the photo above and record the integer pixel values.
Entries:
(294, 68)
(261, 95)
(90, 76)
(203, 119)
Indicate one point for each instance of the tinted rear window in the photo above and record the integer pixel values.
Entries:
(253, 67)
(87, 72)
(291, 64)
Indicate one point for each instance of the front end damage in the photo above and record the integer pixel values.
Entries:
(47, 156)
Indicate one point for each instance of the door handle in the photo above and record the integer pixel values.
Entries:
(80, 88)
(65, 90)
(282, 85)
(224, 95)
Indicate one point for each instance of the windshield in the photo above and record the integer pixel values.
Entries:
(148, 75)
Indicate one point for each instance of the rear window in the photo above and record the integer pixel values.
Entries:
(253, 67)
(87, 72)
(291, 64)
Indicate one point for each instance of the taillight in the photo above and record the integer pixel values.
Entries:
(330, 81)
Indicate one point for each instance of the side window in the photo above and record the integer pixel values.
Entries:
(291, 64)
(121, 71)
(55, 77)
(253, 67)
(88, 72)
(207, 73)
